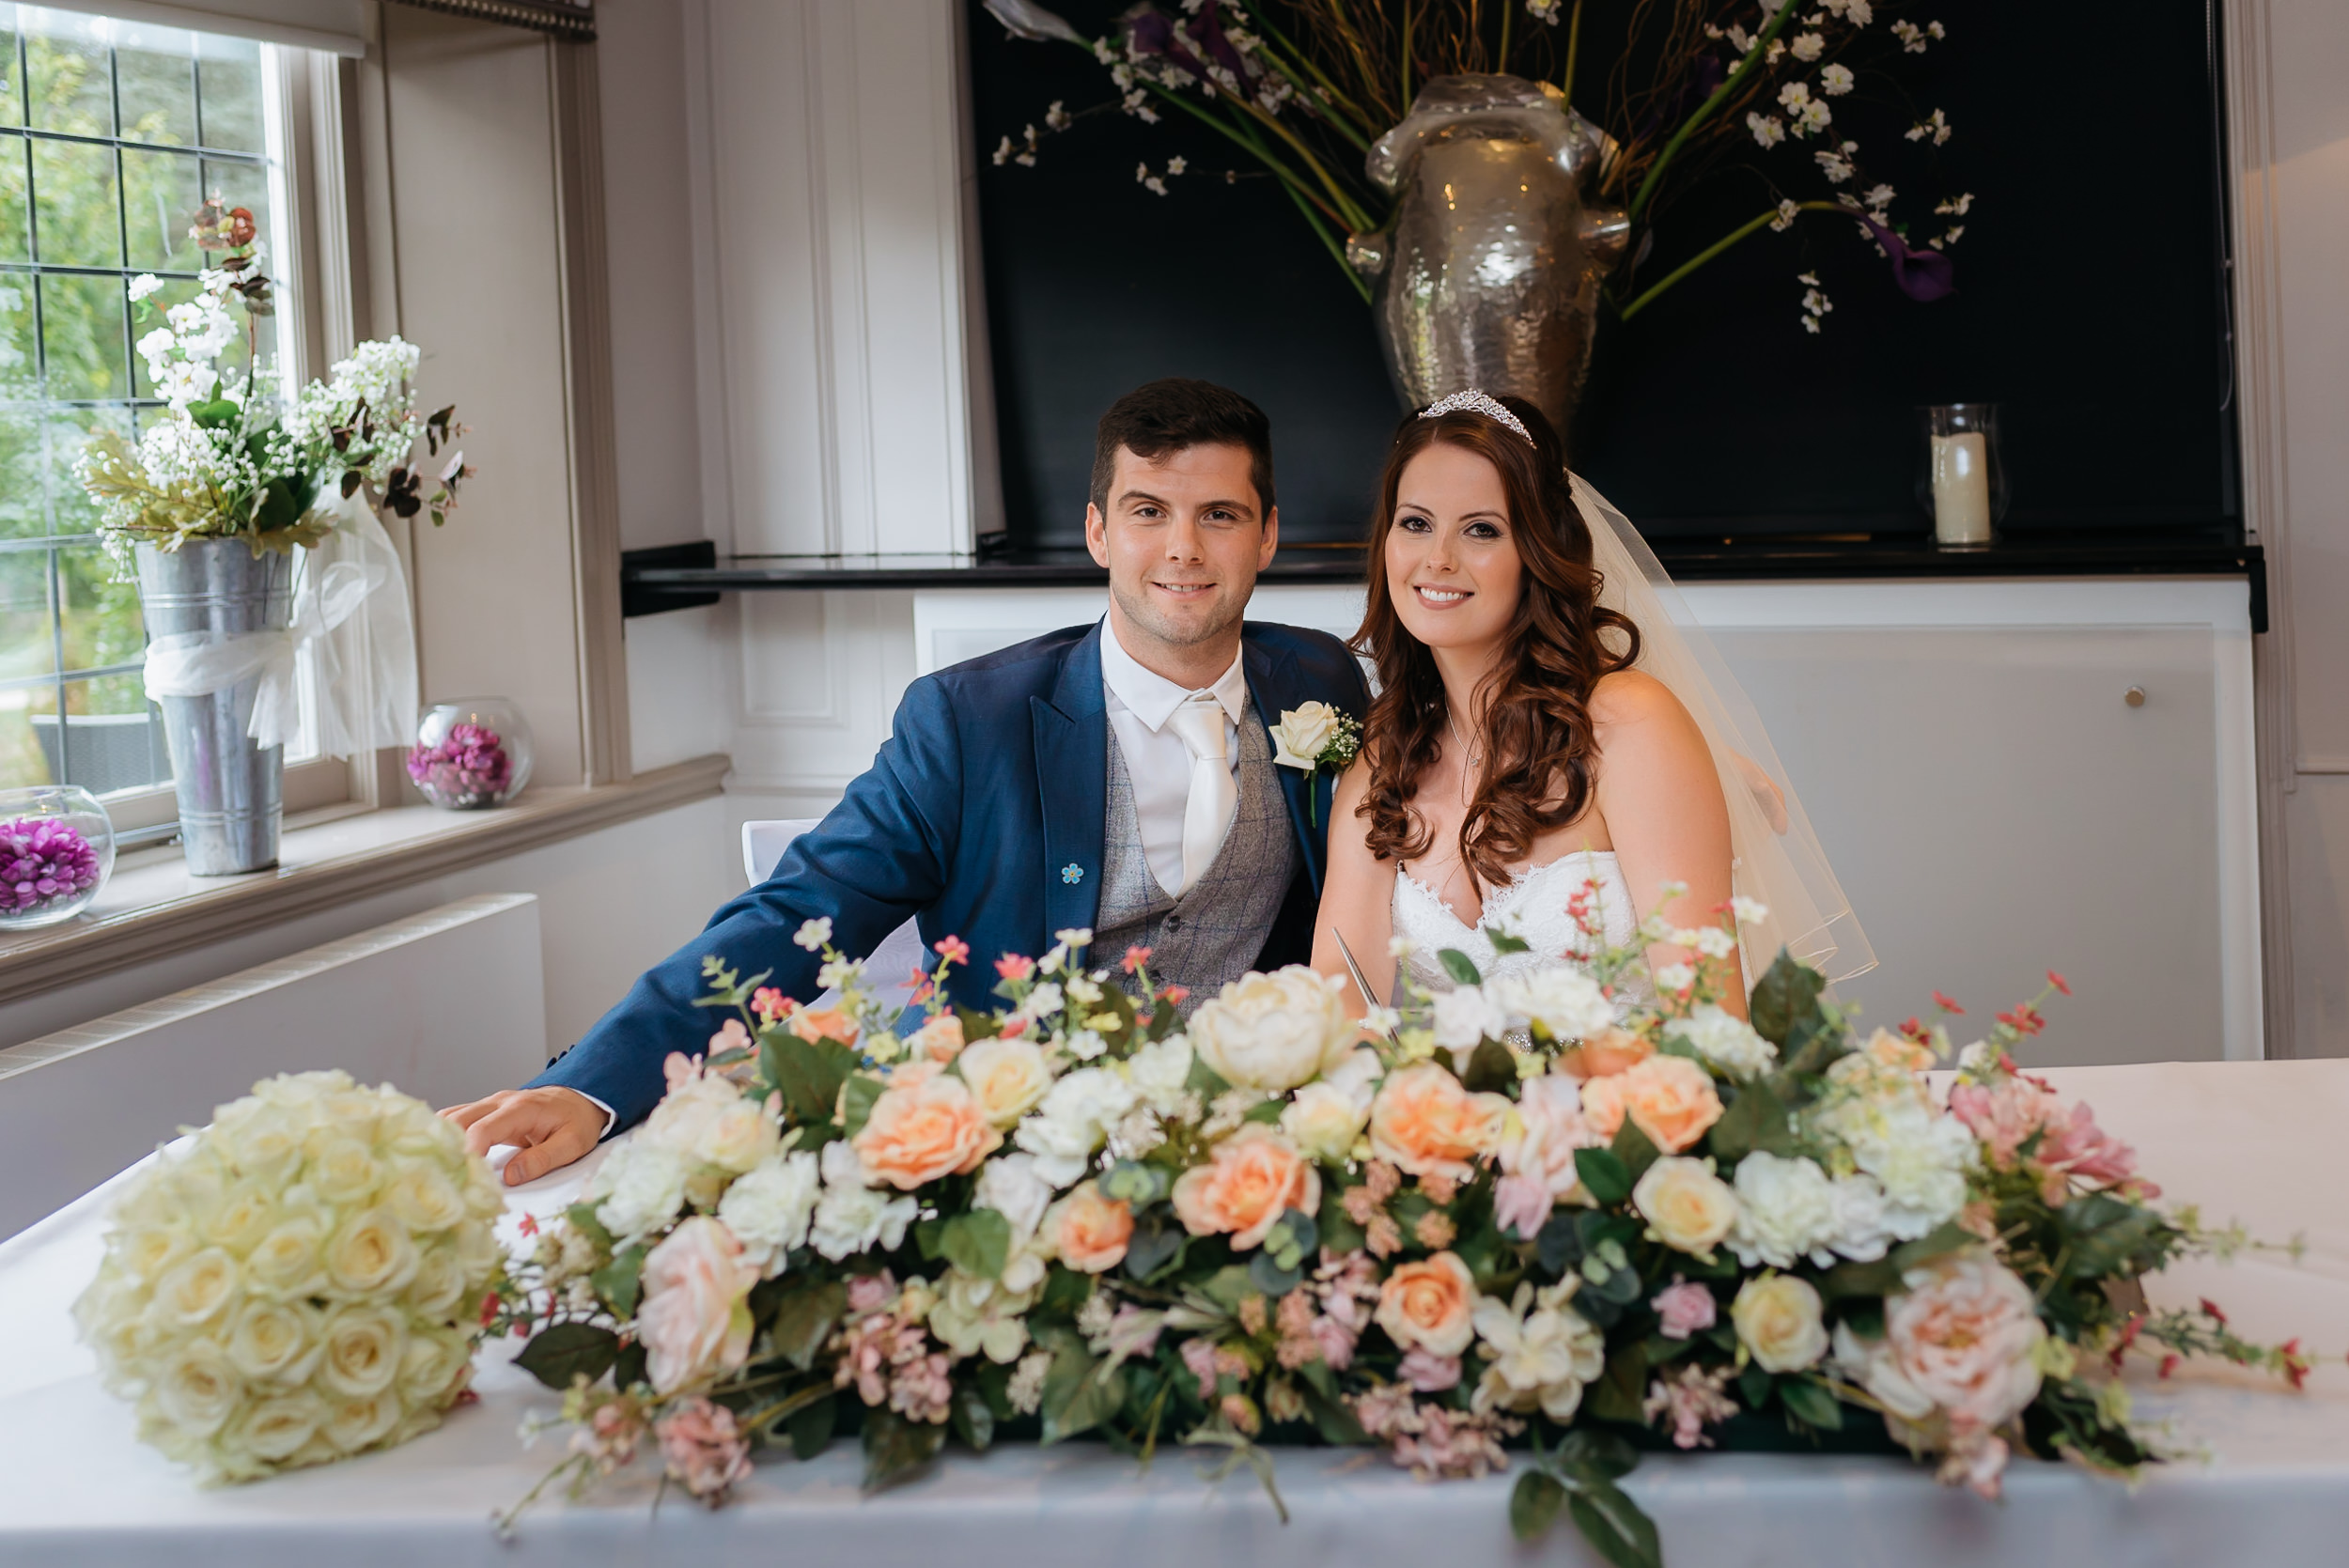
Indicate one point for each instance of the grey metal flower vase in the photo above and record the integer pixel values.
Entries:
(1488, 274)
(231, 790)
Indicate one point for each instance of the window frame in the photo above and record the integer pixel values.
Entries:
(304, 160)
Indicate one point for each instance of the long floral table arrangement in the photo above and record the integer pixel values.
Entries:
(1519, 1215)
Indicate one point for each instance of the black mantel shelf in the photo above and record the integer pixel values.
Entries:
(677, 577)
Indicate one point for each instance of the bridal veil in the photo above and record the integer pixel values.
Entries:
(1777, 859)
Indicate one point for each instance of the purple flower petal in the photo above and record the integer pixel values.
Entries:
(1923, 273)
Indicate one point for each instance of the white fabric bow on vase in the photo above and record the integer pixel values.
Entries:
(351, 609)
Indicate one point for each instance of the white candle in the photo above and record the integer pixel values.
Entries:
(1961, 489)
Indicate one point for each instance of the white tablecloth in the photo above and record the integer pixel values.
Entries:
(2263, 1140)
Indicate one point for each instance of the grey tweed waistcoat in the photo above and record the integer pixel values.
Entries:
(1214, 932)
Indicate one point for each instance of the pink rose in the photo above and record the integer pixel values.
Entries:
(1687, 1308)
(695, 1320)
(2079, 1147)
(704, 1449)
(1963, 1334)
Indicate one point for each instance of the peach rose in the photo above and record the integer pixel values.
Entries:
(824, 1023)
(695, 1319)
(941, 1040)
(1608, 1052)
(1430, 1305)
(1424, 1123)
(1965, 1333)
(1250, 1179)
(1088, 1230)
(1669, 1098)
(924, 1131)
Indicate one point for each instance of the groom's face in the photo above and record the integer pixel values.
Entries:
(1184, 539)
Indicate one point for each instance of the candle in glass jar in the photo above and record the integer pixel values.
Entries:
(1961, 489)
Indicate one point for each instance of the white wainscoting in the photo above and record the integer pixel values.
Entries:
(1991, 802)
(444, 1005)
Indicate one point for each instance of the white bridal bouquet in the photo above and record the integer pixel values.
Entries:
(303, 1280)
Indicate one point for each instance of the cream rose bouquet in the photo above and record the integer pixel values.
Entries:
(1525, 1213)
(301, 1281)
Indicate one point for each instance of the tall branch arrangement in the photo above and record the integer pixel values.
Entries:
(1299, 90)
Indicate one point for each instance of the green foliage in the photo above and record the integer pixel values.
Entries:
(1633, 1148)
(977, 1242)
(1810, 1402)
(1785, 999)
(1460, 967)
(618, 1280)
(805, 1318)
(565, 1352)
(808, 1072)
(1491, 1070)
(897, 1449)
(1132, 1182)
(1757, 1118)
(1581, 1475)
(810, 1426)
(973, 1420)
(1604, 1172)
(1081, 1391)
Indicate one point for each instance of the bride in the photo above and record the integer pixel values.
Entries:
(1545, 725)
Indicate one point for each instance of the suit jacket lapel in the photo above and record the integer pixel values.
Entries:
(1071, 732)
(1273, 682)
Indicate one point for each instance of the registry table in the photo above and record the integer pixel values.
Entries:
(2265, 1141)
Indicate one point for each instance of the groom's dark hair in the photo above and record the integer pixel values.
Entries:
(1172, 415)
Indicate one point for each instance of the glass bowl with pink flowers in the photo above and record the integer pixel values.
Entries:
(57, 851)
(471, 754)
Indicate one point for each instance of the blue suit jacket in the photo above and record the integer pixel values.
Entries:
(982, 817)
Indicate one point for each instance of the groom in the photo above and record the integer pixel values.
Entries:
(1117, 777)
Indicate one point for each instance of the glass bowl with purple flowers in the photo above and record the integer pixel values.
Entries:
(471, 754)
(57, 851)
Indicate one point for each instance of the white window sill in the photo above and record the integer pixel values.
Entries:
(151, 908)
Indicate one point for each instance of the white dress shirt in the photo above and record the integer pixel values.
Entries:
(1140, 702)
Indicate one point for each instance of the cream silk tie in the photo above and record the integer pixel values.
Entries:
(1214, 796)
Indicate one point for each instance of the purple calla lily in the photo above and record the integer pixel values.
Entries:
(1151, 31)
(1206, 30)
(1923, 273)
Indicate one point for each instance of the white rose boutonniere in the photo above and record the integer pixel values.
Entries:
(1312, 737)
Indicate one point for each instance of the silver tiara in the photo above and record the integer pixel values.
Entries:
(1474, 401)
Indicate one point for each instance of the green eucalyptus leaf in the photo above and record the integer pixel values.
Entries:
(811, 1426)
(1491, 1070)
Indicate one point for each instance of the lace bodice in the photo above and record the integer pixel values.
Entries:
(1532, 908)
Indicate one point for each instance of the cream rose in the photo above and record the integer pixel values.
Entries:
(930, 1129)
(245, 1215)
(357, 1422)
(1008, 1078)
(1669, 1098)
(273, 1429)
(1250, 1179)
(276, 1342)
(1325, 1121)
(363, 1346)
(198, 1387)
(370, 1252)
(1429, 1304)
(422, 1196)
(1424, 1122)
(695, 1319)
(342, 1170)
(1687, 1206)
(194, 1291)
(739, 1136)
(1778, 1319)
(1303, 734)
(1089, 1233)
(1274, 1032)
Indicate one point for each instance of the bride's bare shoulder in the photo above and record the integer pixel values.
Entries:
(1630, 698)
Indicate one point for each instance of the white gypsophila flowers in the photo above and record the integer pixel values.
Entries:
(1723, 1039)
(298, 1282)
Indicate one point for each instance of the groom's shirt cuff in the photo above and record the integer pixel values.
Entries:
(610, 1115)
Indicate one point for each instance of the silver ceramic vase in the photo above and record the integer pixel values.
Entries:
(1488, 274)
(231, 790)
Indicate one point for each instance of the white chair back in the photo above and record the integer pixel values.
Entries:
(890, 965)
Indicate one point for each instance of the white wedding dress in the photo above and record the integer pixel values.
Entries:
(1532, 908)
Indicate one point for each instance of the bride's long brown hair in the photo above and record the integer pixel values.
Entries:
(1539, 747)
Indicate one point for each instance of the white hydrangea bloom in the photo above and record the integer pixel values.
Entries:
(1787, 1211)
(1563, 999)
(642, 1186)
(1074, 1119)
(1012, 1186)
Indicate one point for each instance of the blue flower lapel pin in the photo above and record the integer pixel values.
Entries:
(1072, 874)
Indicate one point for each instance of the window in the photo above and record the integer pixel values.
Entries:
(112, 135)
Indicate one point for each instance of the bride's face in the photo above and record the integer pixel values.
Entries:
(1452, 557)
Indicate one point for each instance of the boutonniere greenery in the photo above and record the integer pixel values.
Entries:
(1312, 737)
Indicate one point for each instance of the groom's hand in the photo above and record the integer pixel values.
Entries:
(549, 1127)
